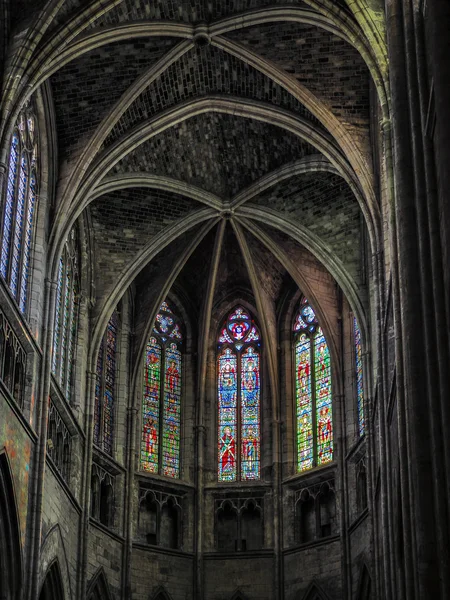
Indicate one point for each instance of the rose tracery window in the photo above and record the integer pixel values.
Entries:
(161, 407)
(313, 399)
(239, 390)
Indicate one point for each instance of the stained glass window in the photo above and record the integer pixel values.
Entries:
(105, 387)
(359, 377)
(66, 315)
(161, 406)
(19, 207)
(239, 390)
(313, 398)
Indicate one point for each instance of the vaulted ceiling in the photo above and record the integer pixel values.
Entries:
(173, 116)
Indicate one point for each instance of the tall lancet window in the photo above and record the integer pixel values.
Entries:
(359, 377)
(239, 398)
(66, 315)
(313, 400)
(105, 387)
(19, 206)
(161, 406)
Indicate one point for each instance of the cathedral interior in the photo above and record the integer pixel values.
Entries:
(224, 299)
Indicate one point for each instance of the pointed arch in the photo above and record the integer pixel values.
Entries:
(66, 313)
(161, 594)
(53, 549)
(105, 384)
(313, 390)
(98, 588)
(10, 546)
(52, 588)
(365, 584)
(314, 592)
(162, 391)
(17, 213)
(238, 595)
(238, 397)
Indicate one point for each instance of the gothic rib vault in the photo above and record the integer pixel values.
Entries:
(202, 147)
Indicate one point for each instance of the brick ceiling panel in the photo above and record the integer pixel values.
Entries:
(217, 152)
(193, 279)
(314, 272)
(86, 89)
(152, 278)
(270, 272)
(205, 71)
(324, 204)
(125, 221)
(324, 63)
(232, 275)
(67, 10)
(187, 11)
(24, 10)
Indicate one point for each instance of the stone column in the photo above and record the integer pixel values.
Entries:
(38, 468)
(418, 395)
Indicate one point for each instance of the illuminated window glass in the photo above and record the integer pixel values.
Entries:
(359, 377)
(66, 315)
(239, 392)
(313, 398)
(161, 405)
(105, 387)
(19, 207)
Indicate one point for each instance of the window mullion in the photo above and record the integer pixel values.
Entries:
(238, 417)
(162, 391)
(312, 351)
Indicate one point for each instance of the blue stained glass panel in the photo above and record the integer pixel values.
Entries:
(27, 243)
(18, 228)
(9, 204)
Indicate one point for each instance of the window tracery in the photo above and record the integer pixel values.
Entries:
(315, 512)
(239, 523)
(313, 399)
(102, 495)
(58, 441)
(105, 386)
(66, 315)
(12, 361)
(19, 206)
(161, 407)
(160, 515)
(239, 390)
